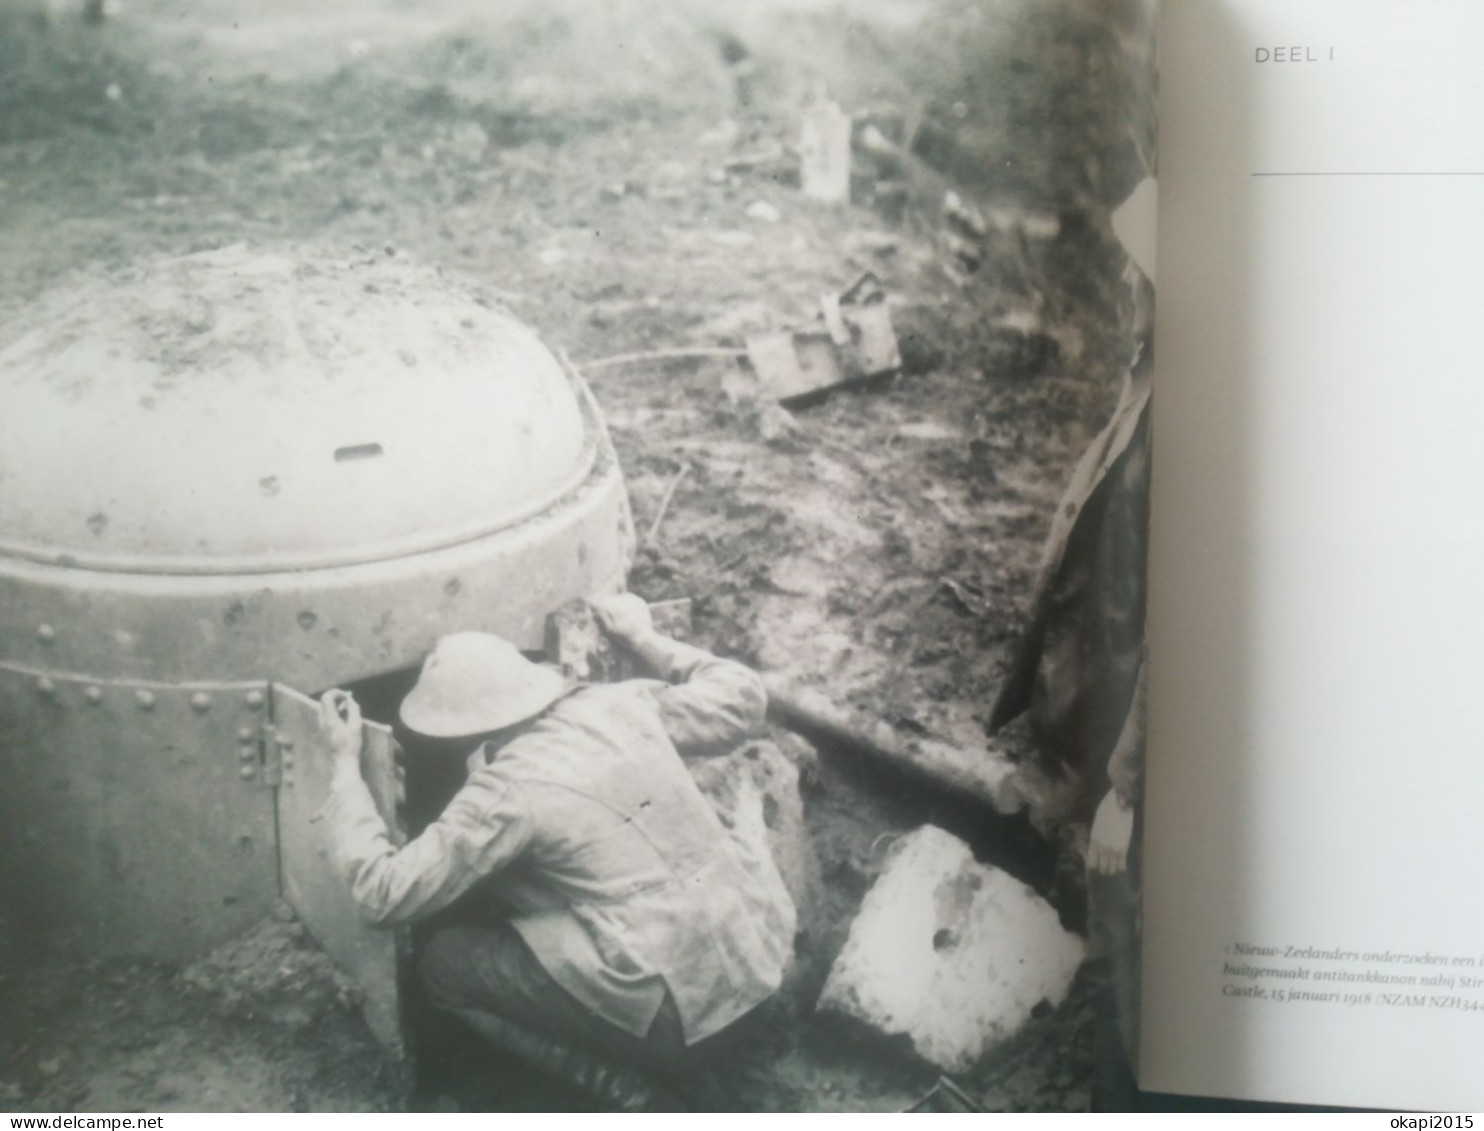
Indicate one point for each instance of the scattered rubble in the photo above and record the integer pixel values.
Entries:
(769, 161)
(964, 233)
(765, 212)
(857, 343)
(654, 528)
(956, 956)
(824, 152)
(962, 217)
(274, 972)
(730, 238)
(947, 1096)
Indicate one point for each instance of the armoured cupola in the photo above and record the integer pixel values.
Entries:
(229, 481)
(246, 423)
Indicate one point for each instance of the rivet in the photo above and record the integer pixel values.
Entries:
(145, 699)
(248, 753)
(285, 743)
(289, 782)
(288, 761)
(46, 687)
(94, 695)
(254, 700)
(246, 734)
(46, 634)
(247, 773)
(201, 701)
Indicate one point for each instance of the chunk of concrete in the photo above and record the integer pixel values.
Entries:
(824, 152)
(953, 954)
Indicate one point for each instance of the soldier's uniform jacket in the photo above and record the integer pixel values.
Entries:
(623, 879)
(1078, 668)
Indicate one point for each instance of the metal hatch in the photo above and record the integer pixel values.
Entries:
(148, 828)
(369, 956)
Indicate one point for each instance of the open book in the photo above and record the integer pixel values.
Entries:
(854, 374)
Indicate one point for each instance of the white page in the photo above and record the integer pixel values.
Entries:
(1316, 767)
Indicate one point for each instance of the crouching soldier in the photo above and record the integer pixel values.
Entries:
(641, 929)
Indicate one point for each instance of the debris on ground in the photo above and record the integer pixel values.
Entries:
(946, 1096)
(263, 1023)
(764, 211)
(963, 218)
(273, 972)
(652, 535)
(859, 322)
(795, 366)
(857, 343)
(956, 956)
(824, 151)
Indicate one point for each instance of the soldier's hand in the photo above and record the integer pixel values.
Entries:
(623, 616)
(1112, 832)
(340, 724)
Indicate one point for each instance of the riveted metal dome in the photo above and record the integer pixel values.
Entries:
(228, 480)
(237, 463)
(237, 412)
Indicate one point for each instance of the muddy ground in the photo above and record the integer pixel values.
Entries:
(596, 169)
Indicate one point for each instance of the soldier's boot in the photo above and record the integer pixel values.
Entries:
(616, 1087)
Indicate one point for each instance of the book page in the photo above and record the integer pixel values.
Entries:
(1313, 929)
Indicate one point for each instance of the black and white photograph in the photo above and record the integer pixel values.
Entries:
(573, 556)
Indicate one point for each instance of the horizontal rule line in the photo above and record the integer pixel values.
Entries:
(1378, 173)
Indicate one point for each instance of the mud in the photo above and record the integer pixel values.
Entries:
(592, 168)
(265, 1024)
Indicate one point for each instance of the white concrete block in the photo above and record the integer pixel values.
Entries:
(951, 953)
